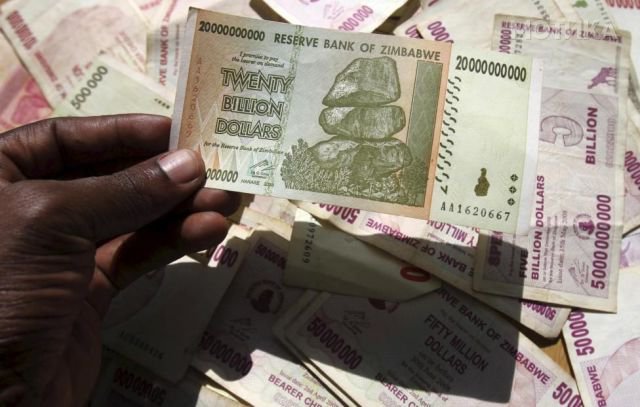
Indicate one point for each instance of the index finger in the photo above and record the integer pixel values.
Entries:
(47, 148)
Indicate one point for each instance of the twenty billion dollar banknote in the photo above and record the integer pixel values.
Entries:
(414, 128)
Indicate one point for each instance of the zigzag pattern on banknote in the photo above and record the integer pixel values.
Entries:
(448, 132)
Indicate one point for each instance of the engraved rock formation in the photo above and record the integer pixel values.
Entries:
(362, 159)
(370, 123)
(365, 82)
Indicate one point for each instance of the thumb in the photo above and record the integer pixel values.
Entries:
(123, 202)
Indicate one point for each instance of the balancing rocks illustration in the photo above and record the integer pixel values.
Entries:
(362, 159)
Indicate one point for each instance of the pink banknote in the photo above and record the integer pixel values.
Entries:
(632, 176)
(442, 349)
(447, 251)
(238, 350)
(604, 348)
(21, 98)
(47, 38)
(136, 324)
(571, 253)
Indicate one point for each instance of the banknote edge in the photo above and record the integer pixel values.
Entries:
(183, 79)
(531, 150)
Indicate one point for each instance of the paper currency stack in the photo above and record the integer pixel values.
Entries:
(339, 303)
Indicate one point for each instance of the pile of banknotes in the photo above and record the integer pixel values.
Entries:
(445, 213)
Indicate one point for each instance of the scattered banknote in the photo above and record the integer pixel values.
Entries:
(446, 251)
(185, 293)
(238, 351)
(632, 177)
(436, 152)
(327, 259)
(572, 252)
(22, 98)
(58, 39)
(471, 23)
(165, 41)
(371, 297)
(123, 383)
(623, 14)
(279, 328)
(455, 20)
(110, 87)
(343, 15)
(441, 349)
(604, 348)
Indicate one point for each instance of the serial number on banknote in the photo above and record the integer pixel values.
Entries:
(308, 243)
(475, 211)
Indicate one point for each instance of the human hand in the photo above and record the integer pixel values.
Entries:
(86, 206)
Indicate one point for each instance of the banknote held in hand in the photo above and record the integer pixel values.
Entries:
(412, 128)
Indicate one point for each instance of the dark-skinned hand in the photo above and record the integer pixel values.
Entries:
(86, 206)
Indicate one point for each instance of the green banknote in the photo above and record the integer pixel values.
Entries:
(393, 125)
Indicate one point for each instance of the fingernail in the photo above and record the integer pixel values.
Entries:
(181, 166)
